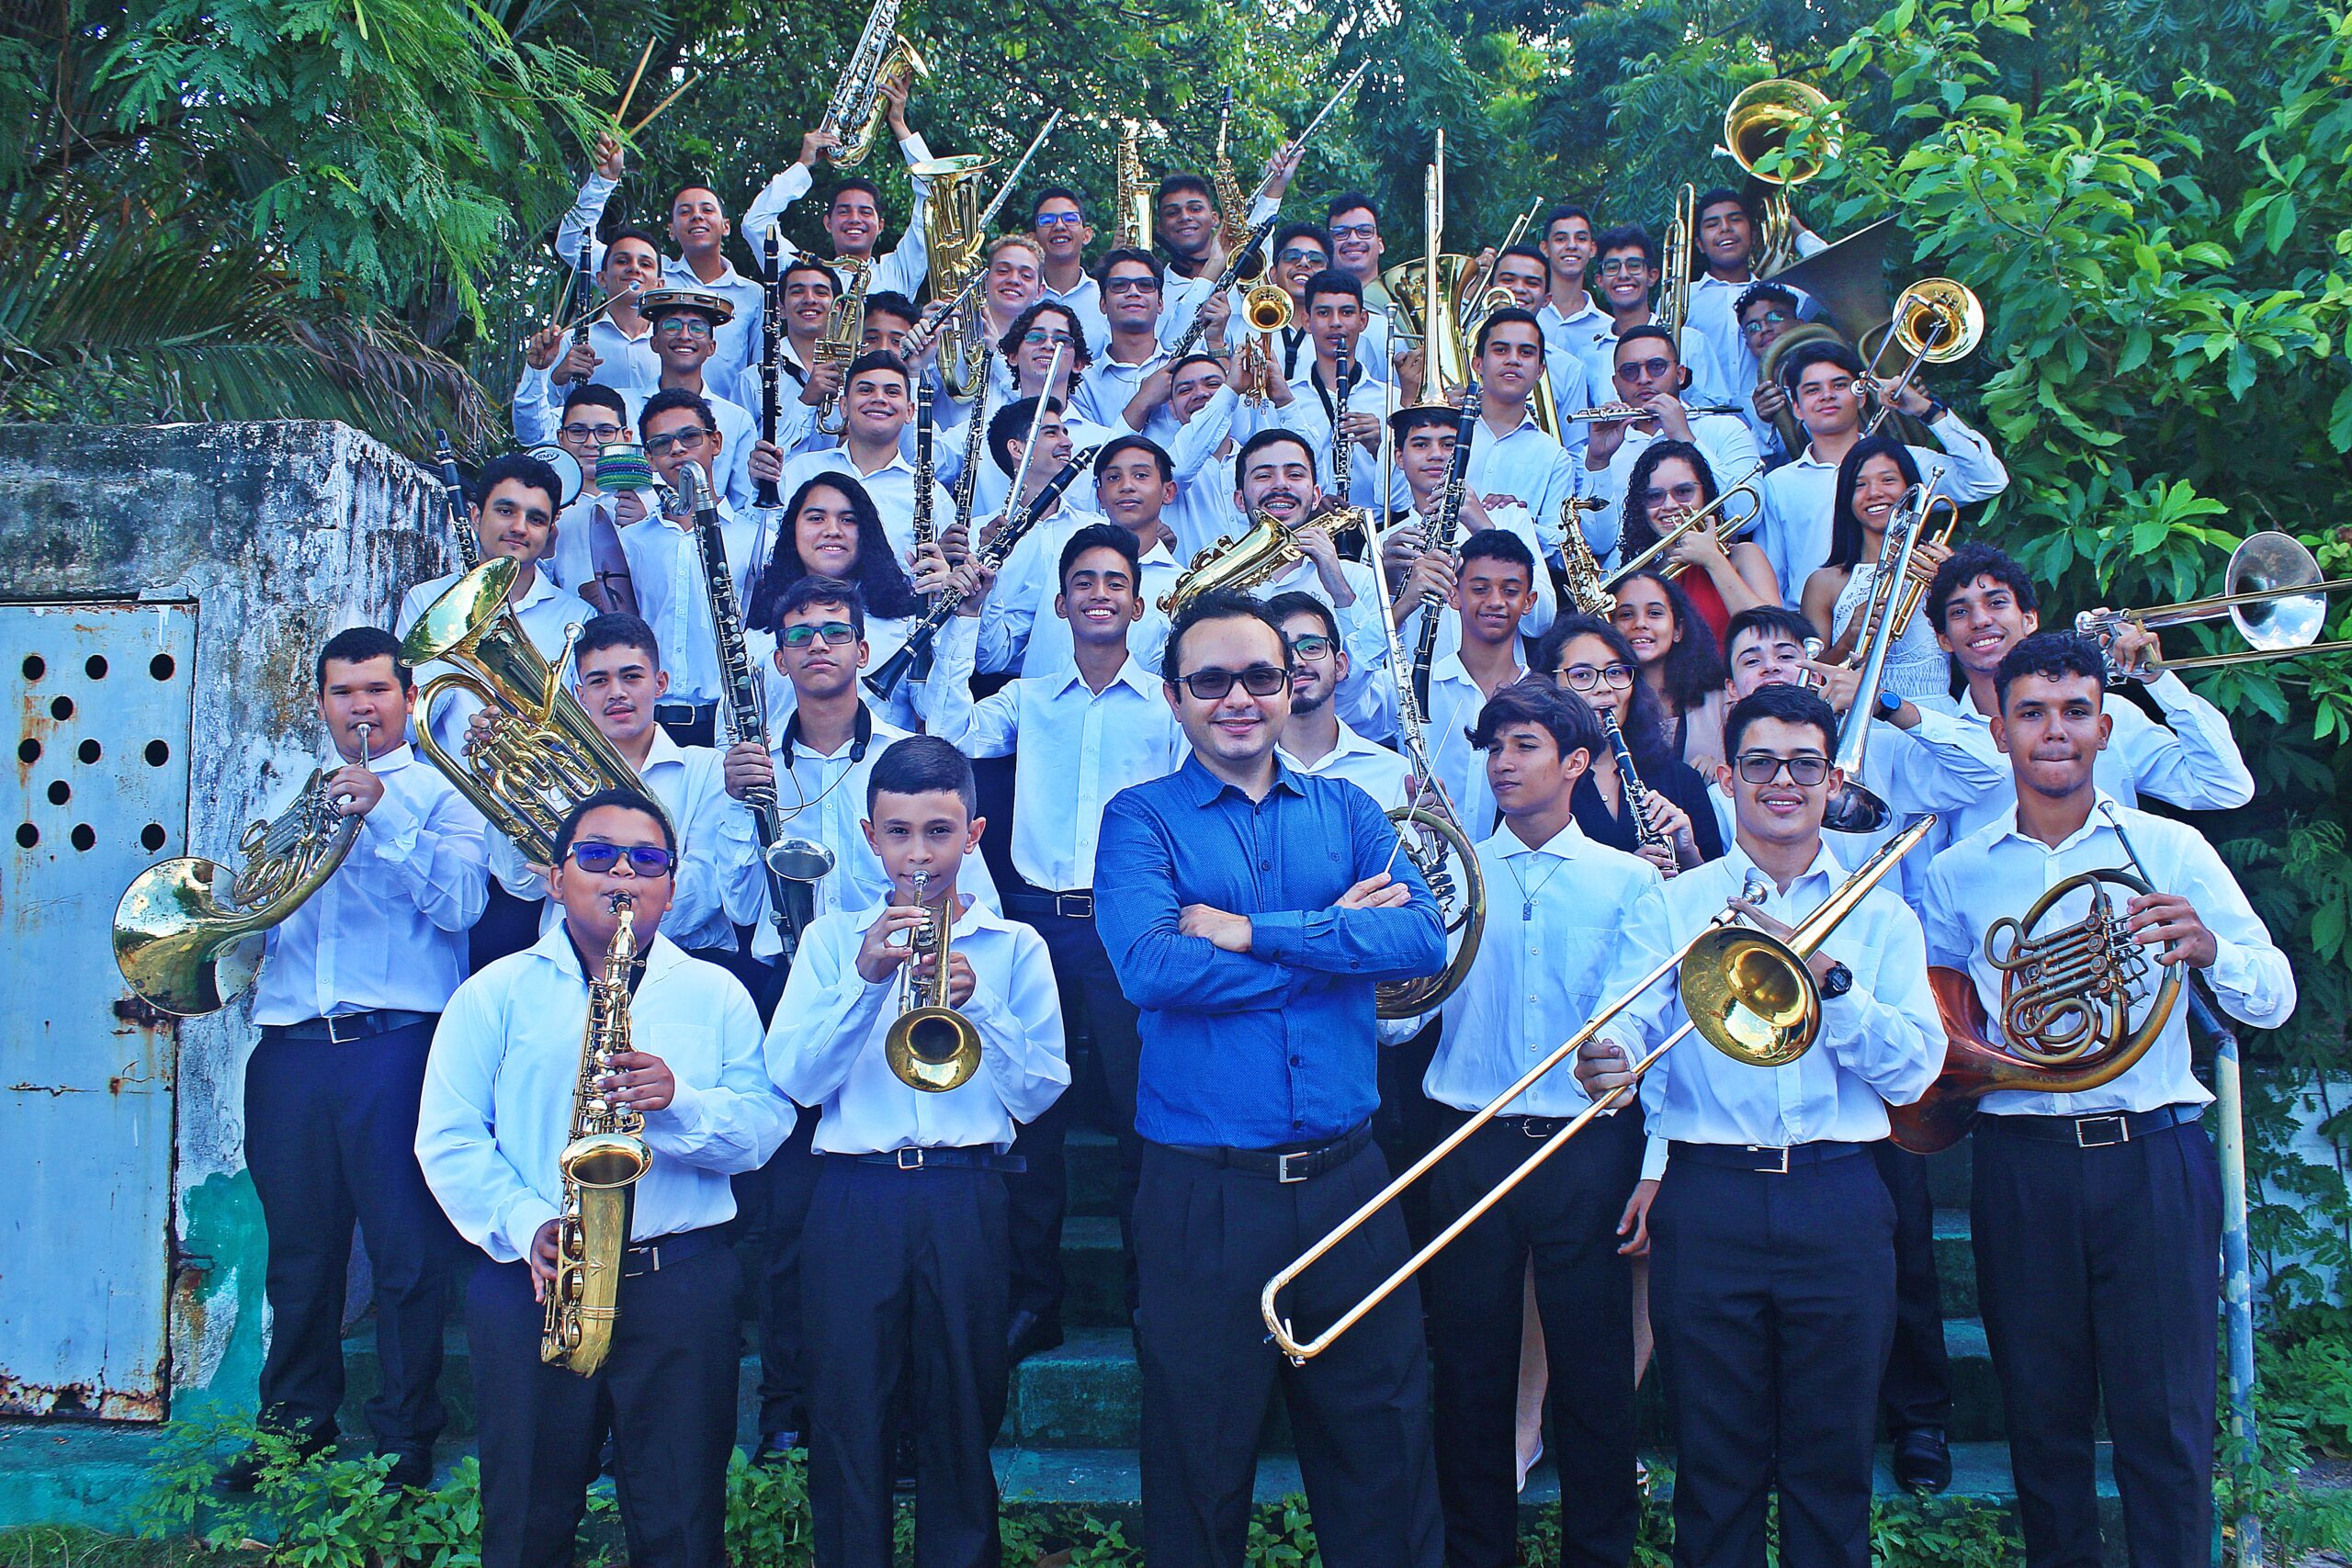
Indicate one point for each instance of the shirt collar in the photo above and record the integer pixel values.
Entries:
(664, 751)
(392, 761)
(1550, 314)
(1206, 788)
(676, 268)
(1131, 674)
(2101, 802)
(1736, 862)
(1566, 844)
(659, 956)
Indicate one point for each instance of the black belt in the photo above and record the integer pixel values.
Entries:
(669, 1251)
(1531, 1126)
(1072, 906)
(943, 1160)
(2109, 1127)
(343, 1027)
(1763, 1157)
(684, 712)
(1282, 1165)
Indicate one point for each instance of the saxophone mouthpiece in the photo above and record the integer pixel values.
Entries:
(620, 903)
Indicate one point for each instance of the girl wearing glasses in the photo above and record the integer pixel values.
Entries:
(1590, 658)
(1670, 480)
(1871, 482)
(832, 529)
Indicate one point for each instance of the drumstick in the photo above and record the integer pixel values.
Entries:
(664, 104)
(622, 111)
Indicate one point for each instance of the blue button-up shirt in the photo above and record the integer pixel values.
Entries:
(1274, 1046)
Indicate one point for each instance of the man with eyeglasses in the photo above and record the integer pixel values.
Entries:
(1315, 739)
(1516, 465)
(1302, 250)
(496, 1113)
(686, 327)
(876, 408)
(1120, 389)
(1770, 1237)
(1353, 222)
(1041, 338)
(1629, 272)
(1726, 243)
(854, 212)
(617, 348)
(587, 558)
(1257, 909)
(1765, 313)
(1424, 436)
(1646, 371)
(1057, 222)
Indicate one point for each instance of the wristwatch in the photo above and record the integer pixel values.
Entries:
(1937, 409)
(1889, 705)
(1839, 981)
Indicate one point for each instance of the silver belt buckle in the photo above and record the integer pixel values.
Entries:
(1281, 1165)
(337, 1038)
(1074, 906)
(2122, 1127)
(908, 1159)
(1780, 1169)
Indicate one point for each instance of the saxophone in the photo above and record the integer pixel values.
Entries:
(1445, 533)
(600, 1166)
(857, 107)
(1131, 215)
(837, 343)
(1586, 589)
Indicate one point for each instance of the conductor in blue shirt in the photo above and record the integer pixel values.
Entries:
(1251, 911)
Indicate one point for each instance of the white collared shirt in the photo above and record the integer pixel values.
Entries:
(1800, 496)
(1375, 769)
(1085, 301)
(1084, 747)
(1532, 466)
(689, 783)
(901, 272)
(547, 613)
(1998, 871)
(1205, 481)
(1106, 386)
(1309, 414)
(824, 1047)
(1723, 439)
(627, 365)
(665, 568)
(1714, 316)
(737, 432)
(388, 929)
(738, 340)
(988, 491)
(1553, 915)
(1880, 1043)
(497, 1110)
(1019, 627)
(1455, 701)
(1538, 616)
(892, 486)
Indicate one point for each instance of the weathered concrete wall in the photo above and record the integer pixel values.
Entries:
(281, 534)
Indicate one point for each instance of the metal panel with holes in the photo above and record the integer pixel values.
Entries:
(101, 695)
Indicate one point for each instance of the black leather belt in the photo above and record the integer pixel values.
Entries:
(669, 1251)
(2106, 1128)
(684, 712)
(1077, 904)
(1766, 1158)
(945, 1160)
(1531, 1126)
(343, 1027)
(1282, 1165)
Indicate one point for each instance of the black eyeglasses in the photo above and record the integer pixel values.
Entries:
(596, 857)
(1589, 677)
(598, 433)
(1761, 767)
(1314, 645)
(802, 634)
(1259, 681)
(1129, 286)
(683, 441)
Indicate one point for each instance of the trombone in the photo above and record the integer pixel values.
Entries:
(1854, 808)
(2272, 592)
(1681, 233)
(1748, 994)
(1701, 518)
(1938, 322)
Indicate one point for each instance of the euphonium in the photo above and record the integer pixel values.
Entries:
(958, 236)
(1757, 123)
(1268, 548)
(1428, 292)
(544, 752)
(931, 1047)
(837, 343)
(600, 1166)
(857, 107)
(186, 953)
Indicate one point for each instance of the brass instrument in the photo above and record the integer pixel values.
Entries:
(857, 107)
(1199, 326)
(1265, 309)
(1673, 310)
(2067, 997)
(956, 229)
(1430, 291)
(2271, 591)
(1937, 322)
(544, 752)
(1588, 591)
(601, 1167)
(1266, 549)
(1855, 809)
(1706, 517)
(1131, 214)
(183, 949)
(1758, 122)
(1445, 536)
(1747, 994)
(930, 1046)
(838, 341)
(1341, 519)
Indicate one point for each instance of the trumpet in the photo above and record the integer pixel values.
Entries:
(1748, 994)
(930, 1045)
(1704, 516)
(1266, 309)
(2271, 591)
(1938, 322)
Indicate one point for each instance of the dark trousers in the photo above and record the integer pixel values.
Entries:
(1772, 1298)
(1409, 1123)
(1093, 1010)
(508, 924)
(667, 1393)
(2100, 1283)
(1564, 1217)
(773, 1206)
(1207, 1239)
(1916, 1394)
(331, 1139)
(912, 1288)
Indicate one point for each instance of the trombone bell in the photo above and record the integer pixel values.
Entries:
(1938, 322)
(1750, 997)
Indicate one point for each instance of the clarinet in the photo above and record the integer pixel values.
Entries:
(1200, 326)
(454, 488)
(926, 534)
(746, 715)
(1637, 797)
(1444, 531)
(992, 555)
(770, 343)
(967, 480)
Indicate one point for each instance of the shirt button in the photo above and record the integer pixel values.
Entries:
(1296, 1125)
(1298, 1061)
(1265, 865)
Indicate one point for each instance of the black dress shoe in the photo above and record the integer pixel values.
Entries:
(1922, 1460)
(241, 1474)
(775, 1448)
(413, 1467)
(1026, 1334)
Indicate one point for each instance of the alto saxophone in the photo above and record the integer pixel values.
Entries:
(600, 1166)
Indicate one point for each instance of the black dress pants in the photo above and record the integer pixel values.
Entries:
(1772, 1297)
(331, 1140)
(912, 1291)
(2100, 1276)
(774, 1202)
(666, 1393)
(1207, 1237)
(1917, 1392)
(1564, 1217)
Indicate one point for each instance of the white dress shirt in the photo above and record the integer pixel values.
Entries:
(1529, 464)
(824, 1048)
(1567, 342)
(1998, 871)
(901, 272)
(1019, 628)
(628, 365)
(737, 431)
(1085, 301)
(1800, 496)
(738, 340)
(496, 1112)
(1084, 747)
(1880, 1043)
(1373, 768)
(1723, 439)
(547, 613)
(1553, 915)
(1711, 383)
(988, 492)
(1538, 616)
(688, 782)
(1205, 481)
(665, 567)
(1309, 414)
(1714, 316)
(892, 486)
(1106, 386)
(388, 929)
(1455, 701)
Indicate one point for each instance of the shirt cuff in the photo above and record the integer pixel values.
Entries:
(2232, 969)
(393, 826)
(1278, 936)
(520, 1222)
(682, 1117)
(2169, 691)
(1654, 1156)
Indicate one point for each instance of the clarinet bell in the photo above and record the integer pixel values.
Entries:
(884, 679)
(796, 859)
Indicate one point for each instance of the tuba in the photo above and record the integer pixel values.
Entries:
(1268, 549)
(2067, 997)
(184, 951)
(1758, 123)
(857, 107)
(544, 752)
(931, 1047)
(600, 1167)
(1430, 292)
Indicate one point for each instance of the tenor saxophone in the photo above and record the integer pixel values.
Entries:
(600, 1166)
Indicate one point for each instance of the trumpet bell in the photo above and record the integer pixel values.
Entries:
(1759, 121)
(1750, 996)
(2275, 564)
(798, 860)
(1938, 322)
(932, 1049)
(1267, 307)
